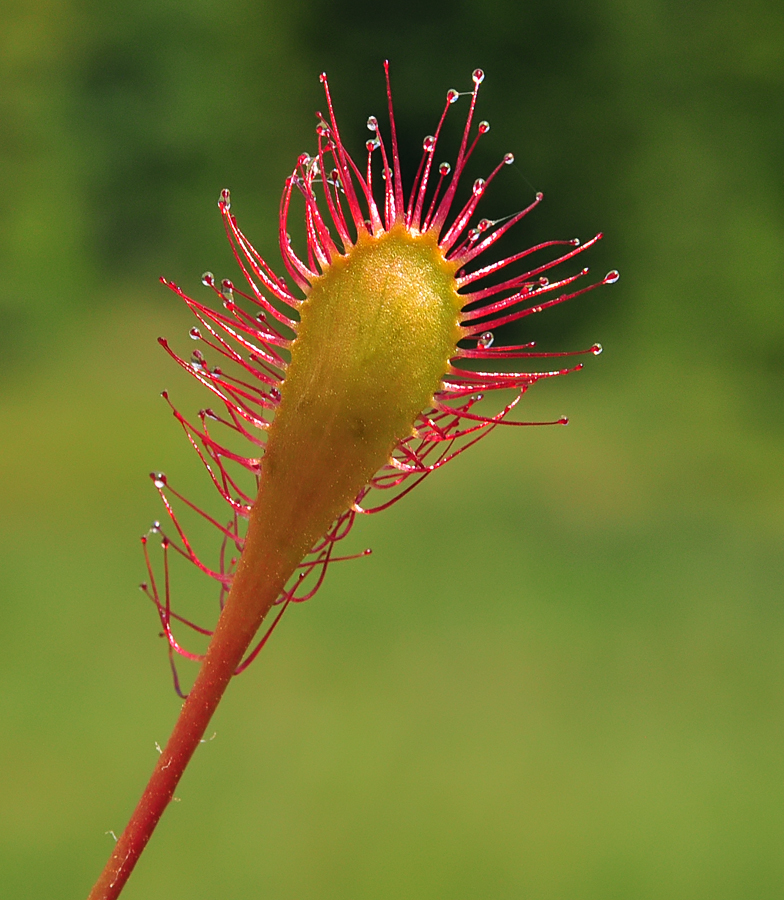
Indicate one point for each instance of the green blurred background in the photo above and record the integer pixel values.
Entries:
(561, 674)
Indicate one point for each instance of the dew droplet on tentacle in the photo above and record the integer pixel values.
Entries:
(596, 349)
(225, 199)
(485, 340)
(612, 277)
(195, 334)
(208, 279)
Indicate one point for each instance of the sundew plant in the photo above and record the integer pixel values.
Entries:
(335, 390)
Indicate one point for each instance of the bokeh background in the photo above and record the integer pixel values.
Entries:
(561, 674)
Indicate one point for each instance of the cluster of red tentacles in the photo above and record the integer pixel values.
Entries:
(255, 335)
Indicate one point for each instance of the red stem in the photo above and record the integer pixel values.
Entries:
(257, 583)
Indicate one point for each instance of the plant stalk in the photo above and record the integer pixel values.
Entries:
(257, 583)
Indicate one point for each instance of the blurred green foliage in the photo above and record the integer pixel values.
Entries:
(561, 675)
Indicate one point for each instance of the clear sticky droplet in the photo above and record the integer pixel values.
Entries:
(372, 123)
(485, 340)
(208, 279)
(612, 277)
(225, 198)
(429, 144)
(508, 159)
(227, 289)
(452, 95)
(323, 77)
(159, 480)
(195, 334)
(596, 349)
(539, 196)
(444, 168)
(275, 394)
(372, 145)
(564, 420)
(483, 225)
(479, 187)
(484, 127)
(575, 242)
(478, 76)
